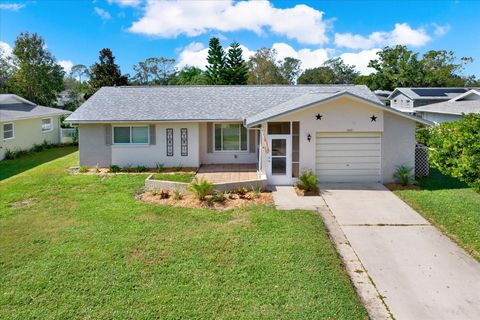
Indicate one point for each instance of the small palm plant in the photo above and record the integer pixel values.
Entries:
(200, 188)
(402, 173)
(308, 182)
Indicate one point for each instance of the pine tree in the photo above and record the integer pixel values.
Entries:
(106, 72)
(237, 69)
(216, 62)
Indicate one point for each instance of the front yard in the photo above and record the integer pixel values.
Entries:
(450, 205)
(83, 247)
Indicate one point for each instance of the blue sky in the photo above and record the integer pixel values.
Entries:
(310, 30)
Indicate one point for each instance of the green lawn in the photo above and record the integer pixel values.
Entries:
(450, 205)
(176, 177)
(83, 247)
(10, 168)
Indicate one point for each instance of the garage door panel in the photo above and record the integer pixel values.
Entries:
(346, 140)
(350, 146)
(337, 178)
(350, 153)
(348, 160)
(351, 166)
(348, 157)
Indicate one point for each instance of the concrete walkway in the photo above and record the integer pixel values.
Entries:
(286, 198)
(420, 273)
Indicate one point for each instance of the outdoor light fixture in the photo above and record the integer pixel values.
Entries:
(309, 137)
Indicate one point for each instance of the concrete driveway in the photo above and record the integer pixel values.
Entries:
(420, 273)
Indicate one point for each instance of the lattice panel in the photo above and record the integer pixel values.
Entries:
(422, 168)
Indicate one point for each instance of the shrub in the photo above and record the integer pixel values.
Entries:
(10, 154)
(46, 145)
(455, 149)
(308, 182)
(141, 169)
(256, 191)
(114, 168)
(164, 194)
(83, 169)
(128, 168)
(177, 195)
(37, 148)
(403, 173)
(178, 168)
(423, 135)
(200, 188)
(159, 167)
(242, 192)
(218, 197)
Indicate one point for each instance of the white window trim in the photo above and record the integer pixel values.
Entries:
(51, 125)
(130, 143)
(240, 133)
(13, 131)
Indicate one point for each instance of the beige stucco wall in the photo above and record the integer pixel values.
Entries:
(92, 145)
(398, 145)
(29, 132)
(342, 115)
(95, 150)
(222, 157)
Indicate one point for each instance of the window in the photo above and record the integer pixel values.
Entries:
(131, 135)
(8, 131)
(279, 128)
(230, 137)
(47, 125)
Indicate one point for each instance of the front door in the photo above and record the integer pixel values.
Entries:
(280, 165)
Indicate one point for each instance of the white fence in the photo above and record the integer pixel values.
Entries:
(67, 134)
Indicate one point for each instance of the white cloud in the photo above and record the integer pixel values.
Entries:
(168, 19)
(401, 34)
(5, 49)
(310, 58)
(11, 6)
(66, 65)
(125, 3)
(105, 15)
(440, 30)
(361, 59)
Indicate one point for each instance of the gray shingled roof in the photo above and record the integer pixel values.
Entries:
(196, 103)
(452, 107)
(430, 93)
(18, 111)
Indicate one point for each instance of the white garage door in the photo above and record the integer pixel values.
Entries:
(348, 157)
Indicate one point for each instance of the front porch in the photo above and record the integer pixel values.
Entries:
(222, 173)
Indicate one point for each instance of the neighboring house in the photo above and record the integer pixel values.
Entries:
(408, 99)
(342, 133)
(383, 95)
(23, 124)
(453, 109)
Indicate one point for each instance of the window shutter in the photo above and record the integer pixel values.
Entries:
(153, 135)
(209, 137)
(253, 142)
(108, 134)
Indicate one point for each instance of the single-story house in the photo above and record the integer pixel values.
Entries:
(453, 109)
(408, 99)
(342, 133)
(23, 124)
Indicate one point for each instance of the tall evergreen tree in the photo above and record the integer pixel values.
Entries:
(106, 72)
(237, 69)
(216, 62)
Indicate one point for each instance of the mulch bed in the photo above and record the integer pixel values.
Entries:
(302, 193)
(188, 200)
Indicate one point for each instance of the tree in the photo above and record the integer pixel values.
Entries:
(74, 96)
(263, 68)
(189, 76)
(399, 67)
(216, 62)
(36, 76)
(343, 73)
(106, 72)
(455, 149)
(154, 71)
(290, 69)
(6, 71)
(78, 71)
(236, 68)
(319, 75)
